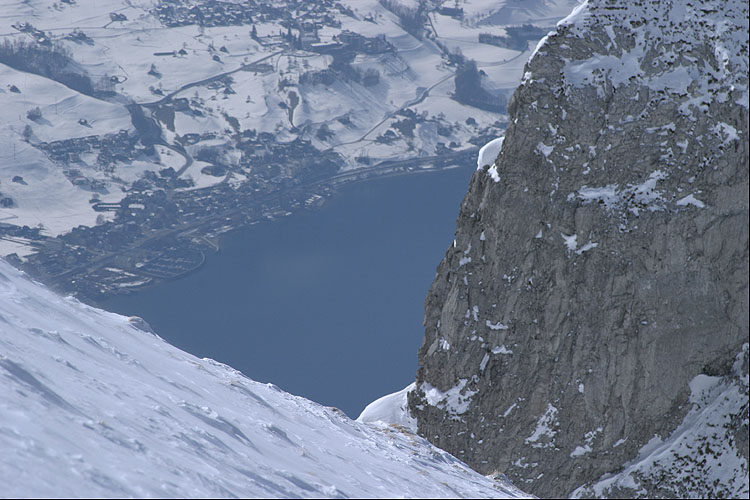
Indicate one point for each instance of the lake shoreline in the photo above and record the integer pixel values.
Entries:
(319, 302)
(212, 243)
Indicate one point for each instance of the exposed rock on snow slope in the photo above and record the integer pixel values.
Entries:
(603, 265)
(699, 459)
(91, 404)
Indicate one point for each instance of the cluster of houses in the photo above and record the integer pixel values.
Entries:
(39, 36)
(301, 20)
(217, 13)
(110, 148)
(151, 212)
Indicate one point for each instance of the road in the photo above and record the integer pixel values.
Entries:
(210, 79)
(421, 97)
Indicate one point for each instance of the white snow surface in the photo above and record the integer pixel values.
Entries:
(488, 153)
(455, 400)
(633, 197)
(690, 200)
(571, 241)
(492, 172)
(92, 404)
(391, 409)
(546, 429)
(495, 326)
(501, 349)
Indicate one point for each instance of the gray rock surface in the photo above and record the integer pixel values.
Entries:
(602, 262)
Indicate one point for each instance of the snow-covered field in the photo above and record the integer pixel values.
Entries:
(123, 46)
(92, 404)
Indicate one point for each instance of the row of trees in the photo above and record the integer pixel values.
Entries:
(469, 89)
(341, 69)
(52, 61)
(412, 18)
(517, 37)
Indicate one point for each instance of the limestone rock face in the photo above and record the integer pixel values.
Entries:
(601, 263)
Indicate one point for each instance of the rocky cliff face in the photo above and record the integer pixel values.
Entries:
(601, 264)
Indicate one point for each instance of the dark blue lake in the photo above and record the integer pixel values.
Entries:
(325, 304)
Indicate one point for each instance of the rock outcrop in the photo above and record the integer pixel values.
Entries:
(601, 264)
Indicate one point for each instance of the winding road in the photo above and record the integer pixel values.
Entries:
(205, 81)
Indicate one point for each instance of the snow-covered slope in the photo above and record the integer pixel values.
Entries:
(391, 409)
(93, 404)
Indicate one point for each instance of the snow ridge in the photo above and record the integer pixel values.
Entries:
(92, 404)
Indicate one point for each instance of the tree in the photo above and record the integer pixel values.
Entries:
(28, 133)
(34, 114)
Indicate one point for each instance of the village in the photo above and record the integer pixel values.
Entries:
(155, 238)
(164, 195)
(159, 231)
